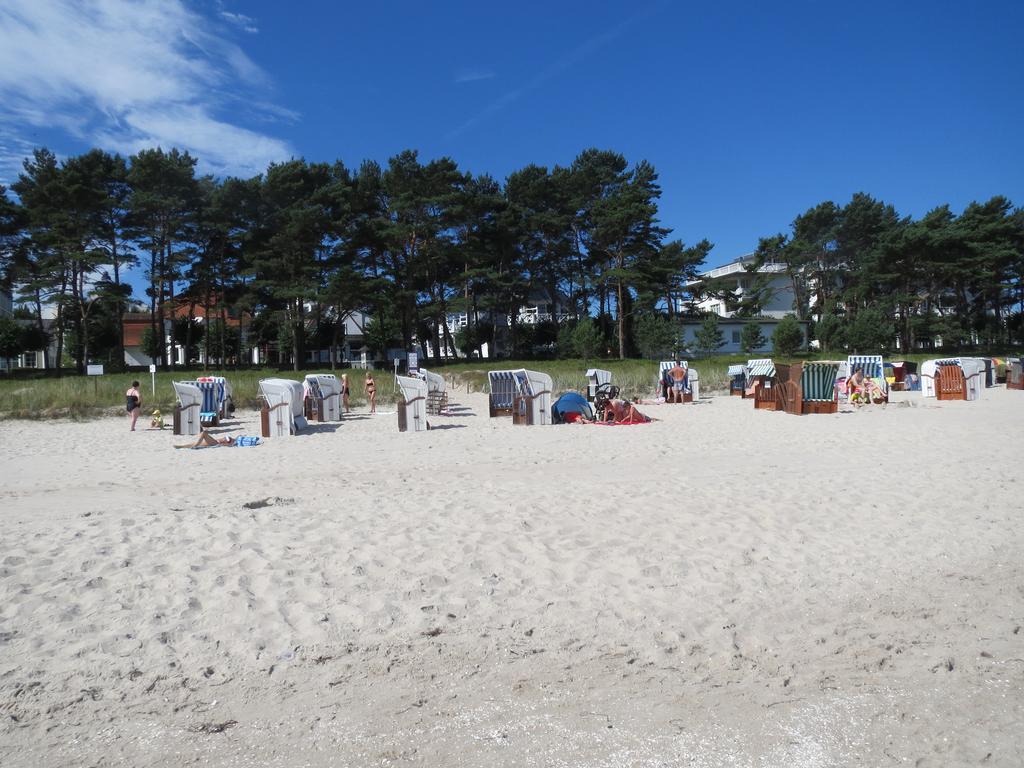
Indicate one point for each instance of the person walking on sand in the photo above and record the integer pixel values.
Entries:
(370, 387)
(344, 392)
(133, 403)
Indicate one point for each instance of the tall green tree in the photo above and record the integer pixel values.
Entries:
(163, 211)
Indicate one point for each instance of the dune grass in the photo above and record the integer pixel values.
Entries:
(85, 397)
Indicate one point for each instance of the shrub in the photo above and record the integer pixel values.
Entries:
(751, 338)
(709, 336)
(788, 337)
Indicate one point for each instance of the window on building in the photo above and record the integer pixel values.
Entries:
(735, 337)
(30, 360)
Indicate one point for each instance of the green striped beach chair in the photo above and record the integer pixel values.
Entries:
(803, 388)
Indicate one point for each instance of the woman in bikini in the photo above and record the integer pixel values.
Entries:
(133, 403)
(344, 391)
(370, 387)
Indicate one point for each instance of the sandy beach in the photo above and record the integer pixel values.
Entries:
(722, 587)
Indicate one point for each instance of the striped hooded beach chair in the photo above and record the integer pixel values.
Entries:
(806, 388)
(874, 371)
(187, 418)
(737, 380)
(215, 392)
(503, 392)
(691, 383)
(759, 383)
(532, 401)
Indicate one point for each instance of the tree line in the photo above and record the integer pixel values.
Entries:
(298, 249)
(863, 276)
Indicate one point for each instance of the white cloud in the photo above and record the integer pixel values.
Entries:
(127, 74)
(473, 75)
(241, 21)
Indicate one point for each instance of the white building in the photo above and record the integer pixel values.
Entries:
(777, 296)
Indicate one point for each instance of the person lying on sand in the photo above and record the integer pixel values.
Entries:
(619, 411)
(206, 440)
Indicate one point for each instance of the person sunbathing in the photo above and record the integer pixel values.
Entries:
(622, 411)
(207, 440)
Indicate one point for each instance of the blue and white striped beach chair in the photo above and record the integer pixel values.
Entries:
(874, 370)
(213, 400)
(503, 392)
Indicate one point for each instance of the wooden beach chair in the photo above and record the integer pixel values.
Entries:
(807, 388)
(412, 404)
(282, 411)
(874, 371)
(322, 399)
(187, 419)
(531, 404)
(951, 378)
(437, 391)
(760, 384)
(503, 392)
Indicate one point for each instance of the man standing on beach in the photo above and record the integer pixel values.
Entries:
(678, 375)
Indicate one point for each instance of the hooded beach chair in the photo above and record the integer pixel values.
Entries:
(737, 375)
(952, 378)
(322, 397)
(691, 383)
(503, 391)
(187, 418)
(282, 411)
(1015, 374)
(216, 391)
(874, 371)
(437, 391)
(806, 388)
(532, 402)
(759, 384)
(596, 379)
(412, 405)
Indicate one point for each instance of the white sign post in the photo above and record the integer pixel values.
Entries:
(94, 370)
(152, 374)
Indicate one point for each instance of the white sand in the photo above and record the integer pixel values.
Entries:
(721, 588)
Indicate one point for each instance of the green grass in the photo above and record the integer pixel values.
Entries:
(85, 397)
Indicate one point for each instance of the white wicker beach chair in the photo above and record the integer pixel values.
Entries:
(532, 401)
(187, 413)
(874, 370)
(437, 391)
(282, 413)
(323, 398)
(412, 407)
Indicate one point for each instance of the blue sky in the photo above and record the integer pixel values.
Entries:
(752, 112)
